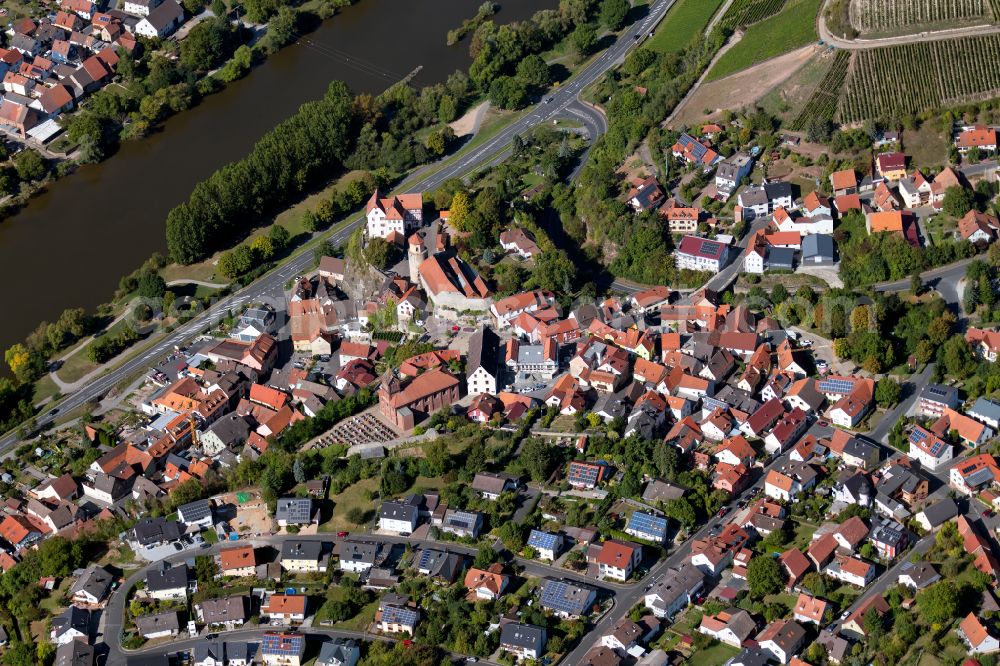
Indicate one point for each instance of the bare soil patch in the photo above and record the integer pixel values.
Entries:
(742, 88)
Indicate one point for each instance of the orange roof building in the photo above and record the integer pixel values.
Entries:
(239, 561)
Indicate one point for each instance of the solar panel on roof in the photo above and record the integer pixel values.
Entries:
(289, 645)
(544, 540)
(648, 524)
(554, 595)
(918, 435)
(709, 248)
(836, 385)
(397, 615)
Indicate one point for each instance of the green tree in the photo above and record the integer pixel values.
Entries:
(207, 45)
(90, 132)
(887, 392)
(938, 603)
(957, 201)
(279, 236)
(447, 109)
(613, 13)
(378, 252)
(508, 92)
(24, 363)
(30, 165)
(282, 28)
(583, 39)
(151, 286)
(957, 357)
(461, 208)
(534, 71)
(764, 576)
(537, 459)
(681, 510)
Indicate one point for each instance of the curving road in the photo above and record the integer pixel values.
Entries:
(560, 102)
(861, 43)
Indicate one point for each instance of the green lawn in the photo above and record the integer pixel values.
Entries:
(353, 496)
(715, 655)
(792, 27)
(684, 23)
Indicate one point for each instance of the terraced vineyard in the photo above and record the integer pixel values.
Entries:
(823, 103)
(869, 16)
(907, 79)
(748, 12)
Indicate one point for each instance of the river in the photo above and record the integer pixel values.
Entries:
(71, 244)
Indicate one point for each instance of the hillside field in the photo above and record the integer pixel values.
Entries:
(792, 27)
(684, 23)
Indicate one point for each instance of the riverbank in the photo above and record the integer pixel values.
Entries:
(145, 179)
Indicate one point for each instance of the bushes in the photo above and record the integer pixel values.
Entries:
(109, 346)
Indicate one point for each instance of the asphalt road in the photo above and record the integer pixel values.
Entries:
(111, 626)
(561, 102)
(943, 279)
(926, 36)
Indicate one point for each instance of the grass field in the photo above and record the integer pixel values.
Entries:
(352, 497)
(791, 28)
(683, 24)
(787, 100)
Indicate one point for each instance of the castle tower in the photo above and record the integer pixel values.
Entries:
(416, 254)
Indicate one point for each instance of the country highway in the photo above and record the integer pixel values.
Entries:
(561, 102)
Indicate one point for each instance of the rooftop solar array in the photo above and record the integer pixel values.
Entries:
(544, 540)
(710, 248)
(397, 615)
(646, 523)
(282, 644)
(560, 595)
(838, 385)
(584, 472)
(295, 509)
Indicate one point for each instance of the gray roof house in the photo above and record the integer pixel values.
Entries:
(339, 652)
(937, 514)
(309, 555)
(917, 575)
(818, 250)
(168, 582)
(482, 369)
(398, 516)
(294, 511)
(155, 531)
(196, 513)
(490, 485)
(462, 523)
(73, 623)
(229, 432)
(674, 590)
(986, 411)
(92, 586)
(228, 611)
(75, 653)
(781, 258)
(525, 640)
(658, 490)
(358, 556)
(567, 598)
(161, 624)
(439, 564)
